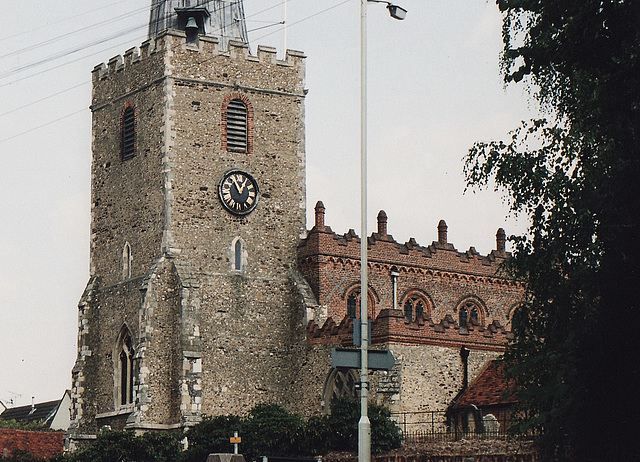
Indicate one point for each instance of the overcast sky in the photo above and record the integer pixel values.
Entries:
(434, 89)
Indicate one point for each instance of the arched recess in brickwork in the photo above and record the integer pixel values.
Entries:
(127, 261)
(352, 299)
(124, 369)
(237, 124)
(339, 384)
(510, 314)
(417, 306)
(128, 131)
(238, 255)
(470, 311)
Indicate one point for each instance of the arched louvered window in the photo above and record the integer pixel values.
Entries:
(128, 132)
(237, 126)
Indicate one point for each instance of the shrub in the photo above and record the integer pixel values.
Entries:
(211, 435)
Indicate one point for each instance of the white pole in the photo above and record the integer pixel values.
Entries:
(364, 425)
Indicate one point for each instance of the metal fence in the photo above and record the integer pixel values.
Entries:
(424, 426)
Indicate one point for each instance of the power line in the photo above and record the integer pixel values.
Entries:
(43, 99)
(75, 31)
(16, 135)
(115, 36)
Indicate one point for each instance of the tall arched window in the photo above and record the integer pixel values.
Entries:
(126, 261)
(237, 263)
(128, 132)
(237, 124)
(124, 369)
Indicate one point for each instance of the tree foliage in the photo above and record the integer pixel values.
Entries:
(576, 175)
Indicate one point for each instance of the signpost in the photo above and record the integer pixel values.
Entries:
(345, 358)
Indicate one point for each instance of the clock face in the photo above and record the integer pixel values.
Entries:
(238, 192)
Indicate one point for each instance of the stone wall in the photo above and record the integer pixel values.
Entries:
(208, 337)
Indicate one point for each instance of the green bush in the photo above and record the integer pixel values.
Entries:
(268, 429)
(124, 446)
(211, 435)
(271, 430)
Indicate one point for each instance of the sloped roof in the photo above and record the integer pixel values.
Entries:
(490, 388)
(36, 413)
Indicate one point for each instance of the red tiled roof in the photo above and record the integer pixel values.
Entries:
(43, 445)
(490, 388)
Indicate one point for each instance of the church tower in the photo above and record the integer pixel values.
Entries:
(197, 207)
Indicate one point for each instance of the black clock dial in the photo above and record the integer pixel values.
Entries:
(238, 192)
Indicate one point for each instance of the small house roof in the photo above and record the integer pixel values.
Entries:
(490, 388)
(38, 412)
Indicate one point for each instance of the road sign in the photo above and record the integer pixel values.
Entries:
(379, 360)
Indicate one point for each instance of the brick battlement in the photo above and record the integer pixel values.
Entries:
(206, 46)
(391, 327)
(440, 257)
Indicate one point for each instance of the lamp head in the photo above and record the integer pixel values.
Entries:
(397, 12)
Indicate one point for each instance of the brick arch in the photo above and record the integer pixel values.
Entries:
(414, 296)
(469, 303)
(250, 120)
(373, 300)
(510, 313)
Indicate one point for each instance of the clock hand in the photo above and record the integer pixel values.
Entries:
(238, 187)
(244, 184)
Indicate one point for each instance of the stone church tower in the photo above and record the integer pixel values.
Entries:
(197, 208)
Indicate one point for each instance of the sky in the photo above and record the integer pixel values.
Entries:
(434, 88)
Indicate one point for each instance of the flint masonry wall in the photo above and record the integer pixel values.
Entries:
(207, 337)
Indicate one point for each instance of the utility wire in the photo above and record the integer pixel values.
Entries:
(30, 30)
(82, 110)
(38, 45)
(24, 106)
(16, 135)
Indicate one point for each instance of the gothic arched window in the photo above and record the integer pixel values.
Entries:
(469, 313)
(415, 308)
(124, 370)
(354, 300)
(340, 384)
(128, 132)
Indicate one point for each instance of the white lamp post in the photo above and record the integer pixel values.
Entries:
(364, 425)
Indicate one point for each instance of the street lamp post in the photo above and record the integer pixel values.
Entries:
(364, 425)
